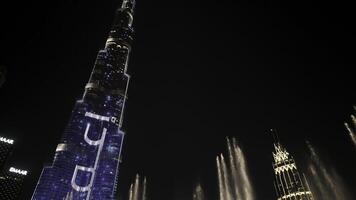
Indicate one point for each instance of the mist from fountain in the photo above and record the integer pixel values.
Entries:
(198, 193)
(325, 182)
(233, 177)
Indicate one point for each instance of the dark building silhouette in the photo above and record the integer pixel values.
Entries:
(289, 184)
(86, 161)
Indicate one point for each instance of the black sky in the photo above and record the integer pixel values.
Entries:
(200, 70)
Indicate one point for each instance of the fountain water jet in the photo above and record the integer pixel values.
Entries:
(325, 182)
(226, 179)
(220, 179)
(352, 129)
(234, 181)
(235, 178)
(144, 189)
(138, 189)
(248, 193)
(130, 192)
(198, 193)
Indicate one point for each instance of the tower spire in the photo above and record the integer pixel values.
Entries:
(274, 134)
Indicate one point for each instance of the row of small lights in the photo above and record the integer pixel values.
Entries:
(9, 141)
(18, 171)
(13, 169)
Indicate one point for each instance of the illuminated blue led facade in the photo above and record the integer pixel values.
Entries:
(86, 161)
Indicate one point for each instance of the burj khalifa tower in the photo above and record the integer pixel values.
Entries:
(86, 161)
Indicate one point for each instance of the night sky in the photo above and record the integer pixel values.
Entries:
(201, 70)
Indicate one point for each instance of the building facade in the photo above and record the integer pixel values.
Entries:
(11, 182)
(289, 184)
(86, 161)
(6, 147)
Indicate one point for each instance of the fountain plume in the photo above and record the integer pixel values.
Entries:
(325, 182)
(351, 130)
(226, 180)
(138, 189)
(353, 120)
(248, 193)
(198, 193)
(144, 190)
(234, 169)
(130, 192)
(220, 179)
(234, 181)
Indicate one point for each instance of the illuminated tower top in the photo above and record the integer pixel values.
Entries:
(111, 64)
(288, 183)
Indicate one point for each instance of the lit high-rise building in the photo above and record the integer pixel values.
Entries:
(11, 179)
(6, 147)
(289, 184)
(86, 161)
(11, 182)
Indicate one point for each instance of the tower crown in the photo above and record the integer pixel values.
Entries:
(288, 181)
(280, 155)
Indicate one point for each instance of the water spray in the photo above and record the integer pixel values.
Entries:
(233, 178)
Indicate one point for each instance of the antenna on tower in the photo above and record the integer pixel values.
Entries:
(274, 135)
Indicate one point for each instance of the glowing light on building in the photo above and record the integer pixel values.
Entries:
(18, 171)
(9, 141)
(86, 161)
(11, 179)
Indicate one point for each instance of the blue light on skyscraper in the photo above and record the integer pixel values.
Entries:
(86, 161)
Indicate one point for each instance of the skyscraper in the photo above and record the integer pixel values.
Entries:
(11, 179)
(289, 184)
(86, 160)
(11, 182)
(6, 147)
